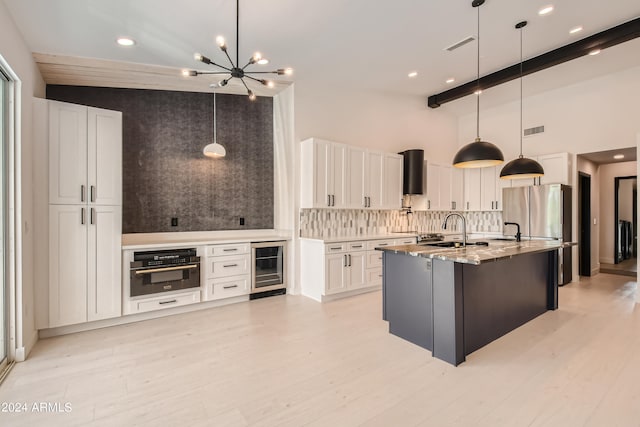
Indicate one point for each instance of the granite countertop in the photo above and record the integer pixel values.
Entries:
(476, 254)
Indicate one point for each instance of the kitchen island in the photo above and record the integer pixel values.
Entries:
(455, 300)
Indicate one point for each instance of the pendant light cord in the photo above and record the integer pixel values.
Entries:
(215, 139)
(237, 33)
(521, 91)
(478, 81)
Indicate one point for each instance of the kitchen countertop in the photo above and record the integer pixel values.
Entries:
(476, 255)
(196, 238)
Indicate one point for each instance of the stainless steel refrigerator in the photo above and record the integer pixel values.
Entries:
(543, 212)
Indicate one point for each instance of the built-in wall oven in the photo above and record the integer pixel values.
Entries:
(159, 271)
(268, 275)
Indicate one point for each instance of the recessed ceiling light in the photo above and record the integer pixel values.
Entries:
(413, 74)
(125, 41)
(451, 80)
(545, 10)
(575, 30)
(594, 52)
(618, 156)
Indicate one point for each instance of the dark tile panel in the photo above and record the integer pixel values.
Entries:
(165, 174)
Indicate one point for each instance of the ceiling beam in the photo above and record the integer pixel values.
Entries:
(607, 38)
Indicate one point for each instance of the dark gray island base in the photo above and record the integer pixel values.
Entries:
(456, 301)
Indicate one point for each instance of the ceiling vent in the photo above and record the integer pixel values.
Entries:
(460, 43)
(533, 131)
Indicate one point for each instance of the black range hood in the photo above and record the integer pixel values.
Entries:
(412, 175)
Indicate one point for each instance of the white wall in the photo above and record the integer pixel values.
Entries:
(592, 170)
(15, 51)
(374, 120)
(607, 205)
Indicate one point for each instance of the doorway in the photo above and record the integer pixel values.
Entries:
(584, 220)
(625, 227)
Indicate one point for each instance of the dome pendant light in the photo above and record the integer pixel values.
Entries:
(478, 154)
(214, 150)
(522, 167)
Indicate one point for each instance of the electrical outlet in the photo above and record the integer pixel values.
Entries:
(174, 222)
(241, 220)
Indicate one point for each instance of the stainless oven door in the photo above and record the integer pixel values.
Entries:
(268, 261)
(153, 280)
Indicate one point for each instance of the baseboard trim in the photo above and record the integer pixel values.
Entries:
(607, 261)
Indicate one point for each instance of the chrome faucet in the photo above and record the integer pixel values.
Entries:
(464, 225)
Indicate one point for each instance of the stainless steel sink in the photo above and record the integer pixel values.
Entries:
(453, 244)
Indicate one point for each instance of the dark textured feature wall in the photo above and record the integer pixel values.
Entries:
(165, 174)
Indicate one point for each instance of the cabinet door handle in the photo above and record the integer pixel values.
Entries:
(230, 250)
(345, 260)
(92, 193)
(230, 287)
(336, 248)
(328, 199)
(428, 204)
(496, 205)
(91, 215)
(349, 260)
(168, 302)
(82, 216)
(383, 244)
(230, 265)
(369, 201)
(333, 200)
(82, 193)
(356, 246)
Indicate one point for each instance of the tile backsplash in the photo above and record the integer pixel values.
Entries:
(357, 222)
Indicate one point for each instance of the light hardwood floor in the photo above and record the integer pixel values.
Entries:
(289, 361)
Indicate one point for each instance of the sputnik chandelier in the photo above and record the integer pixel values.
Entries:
(234, 70)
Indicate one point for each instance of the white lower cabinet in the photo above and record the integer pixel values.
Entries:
(227, 271)
(84, 263)
(343, 268)
(227, 287)
(164, 301)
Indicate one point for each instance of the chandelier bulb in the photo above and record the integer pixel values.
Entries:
(256, 58)
(222, 44)
(252, 96)
(223, 82)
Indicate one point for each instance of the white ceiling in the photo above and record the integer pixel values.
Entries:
(360, 44)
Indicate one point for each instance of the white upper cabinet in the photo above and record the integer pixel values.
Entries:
(374, 180)
(438, 181)
(457, 189)
(392, 179)
(85, 155)
(557, 168)
(355, 172)
(472, 190)
(104, 156)
(67, 153)
(340, 176)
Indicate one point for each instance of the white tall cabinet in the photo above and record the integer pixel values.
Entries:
(84, 151)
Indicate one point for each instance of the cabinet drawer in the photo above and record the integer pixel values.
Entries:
(406, 241)
(228, 266)
(230, 249)
(167, 301)
(374, 259)
(374, 276)
(227, 287)
(372, 244)
(335, 248)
